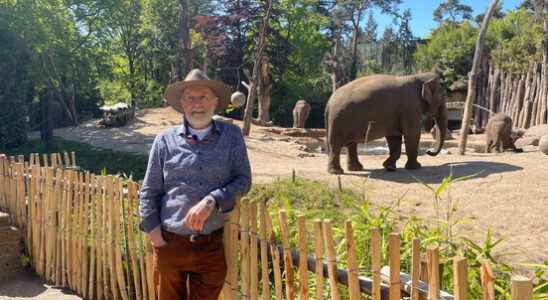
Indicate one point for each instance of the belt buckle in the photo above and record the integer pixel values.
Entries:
(194, 238)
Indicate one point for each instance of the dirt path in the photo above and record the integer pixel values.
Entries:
(508, 195)
(29, 286)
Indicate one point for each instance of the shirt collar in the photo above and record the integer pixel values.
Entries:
(216, 128)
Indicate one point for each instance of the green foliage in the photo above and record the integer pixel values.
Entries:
(91, 158)
(315, 200)
(450, 49)
(515, 41)
(114, 92)
(14, 89)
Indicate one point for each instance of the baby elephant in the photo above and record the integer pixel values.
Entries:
(499, 135)
(300, 113)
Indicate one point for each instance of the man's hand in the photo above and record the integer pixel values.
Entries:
(198, 214)
(156, 238)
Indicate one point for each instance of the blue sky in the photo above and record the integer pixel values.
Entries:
(421, 12)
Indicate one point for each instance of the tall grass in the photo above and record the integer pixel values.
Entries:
(315, 199)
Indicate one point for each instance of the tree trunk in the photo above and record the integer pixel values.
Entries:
(265, 89)
(470, 98)
(255, 77)
(185, 42)
(544, 113)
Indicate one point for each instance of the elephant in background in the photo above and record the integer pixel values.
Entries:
(301, 111)
(499, 135)
(394, 106)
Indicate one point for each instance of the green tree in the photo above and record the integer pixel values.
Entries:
(450, 49)
(452, 11)
(15, 88)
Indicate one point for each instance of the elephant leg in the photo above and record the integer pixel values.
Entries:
(411, 148)
(334, 160)
(489, 146)
(499, 146)
(353, 161)
(394, 145)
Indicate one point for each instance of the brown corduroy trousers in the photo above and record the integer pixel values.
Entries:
(190, 270)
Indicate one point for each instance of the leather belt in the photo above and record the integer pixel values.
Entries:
(194, 238)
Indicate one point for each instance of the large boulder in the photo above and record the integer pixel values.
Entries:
(532, 136)
(543, 144)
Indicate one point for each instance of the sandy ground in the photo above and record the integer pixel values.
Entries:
(508, 194)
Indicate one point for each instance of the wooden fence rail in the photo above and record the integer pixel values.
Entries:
(81, 231)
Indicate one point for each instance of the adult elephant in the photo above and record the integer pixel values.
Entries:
(393, 107)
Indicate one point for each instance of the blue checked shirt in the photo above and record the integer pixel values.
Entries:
(182, 171)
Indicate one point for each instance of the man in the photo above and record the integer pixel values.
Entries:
(195, 172)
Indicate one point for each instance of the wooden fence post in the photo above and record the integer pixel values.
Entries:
(433, 273)
(303, 255)
(288, 259)
(376, 262)
(460, 277)
(331, 260)
(522, 288)
(318, 232)
(394, 255)
(264, 252)
(352, 260)
(415, 269)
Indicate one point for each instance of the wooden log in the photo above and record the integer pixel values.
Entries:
(303, 271)
(264, 252)
(394, 260)
(352, 260)
(93, 238)
(277, 272)
(433, 272)
(318, 233)
(85, 221)
(415, 269)
(131, 233)
(254, 280)
(231, 248)
(522, 288)
(331, 260)
(244, 249)
(376, 263)
(117, 216)
(460, 277)
(288, 261)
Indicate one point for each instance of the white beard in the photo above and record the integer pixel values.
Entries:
(200, 120)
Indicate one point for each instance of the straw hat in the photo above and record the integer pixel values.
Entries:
(196, 77)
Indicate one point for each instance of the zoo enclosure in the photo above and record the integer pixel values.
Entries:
(81, 231)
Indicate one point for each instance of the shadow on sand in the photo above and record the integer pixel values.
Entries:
(435, 174)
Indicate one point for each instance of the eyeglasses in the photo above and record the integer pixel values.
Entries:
(195, 98)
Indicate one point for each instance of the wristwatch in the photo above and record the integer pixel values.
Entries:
(211, 203)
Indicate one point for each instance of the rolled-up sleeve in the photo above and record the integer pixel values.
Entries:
(153, 188)
(240, 183)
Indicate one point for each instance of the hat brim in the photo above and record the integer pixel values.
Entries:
(175, 90)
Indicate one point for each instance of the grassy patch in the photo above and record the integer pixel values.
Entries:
(91, 158)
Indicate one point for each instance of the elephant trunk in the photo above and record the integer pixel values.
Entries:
(441, 126)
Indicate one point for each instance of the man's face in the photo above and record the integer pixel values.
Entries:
(199, 105)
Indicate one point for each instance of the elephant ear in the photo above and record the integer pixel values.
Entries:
(428, 90)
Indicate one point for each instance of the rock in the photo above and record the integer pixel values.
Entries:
(526, 141)
(543, 144)
(222, 119)
(537, 131)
